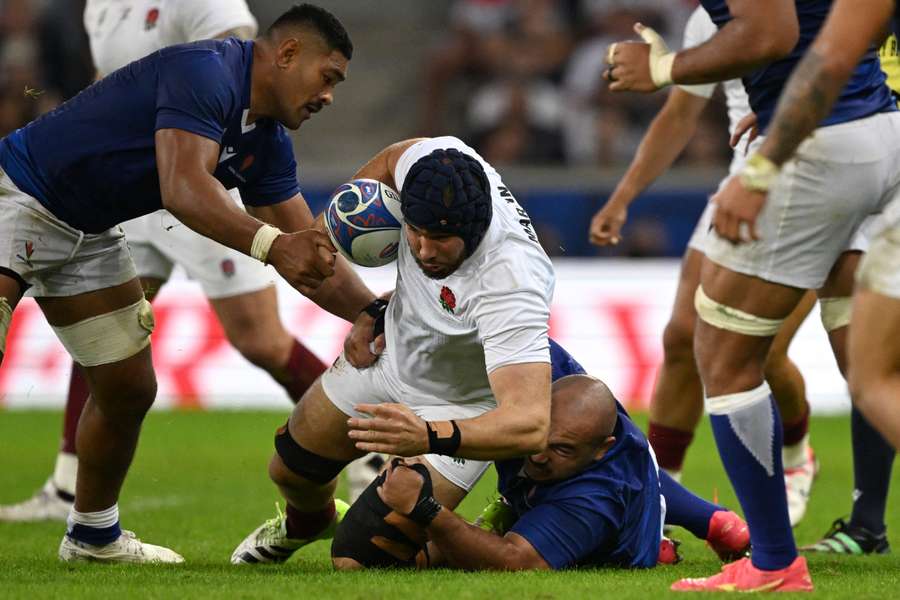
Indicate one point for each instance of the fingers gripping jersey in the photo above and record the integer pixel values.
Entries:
(444, 336)
(92, 161)
(122, 31)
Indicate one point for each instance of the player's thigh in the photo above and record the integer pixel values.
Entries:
(730, 361)
(320, 427)
(873, 341)
(122, 378)
(10, 294)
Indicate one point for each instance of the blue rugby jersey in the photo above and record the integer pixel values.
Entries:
(92, 161)
(865, 93)
(608, 514)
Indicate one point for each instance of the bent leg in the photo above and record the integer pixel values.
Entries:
(677, 402)
(253, 327)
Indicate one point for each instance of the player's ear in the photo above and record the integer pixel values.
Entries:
(288, 51)
(604, 447)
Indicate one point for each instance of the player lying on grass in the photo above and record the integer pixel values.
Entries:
(464, 377)
(591, 498)
(175, 130)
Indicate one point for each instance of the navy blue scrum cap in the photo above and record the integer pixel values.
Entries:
(448, 192)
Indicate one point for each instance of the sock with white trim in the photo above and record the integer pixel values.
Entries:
(748, 434)
(96, 528)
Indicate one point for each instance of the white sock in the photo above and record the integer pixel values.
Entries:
(100, 519)
(795, 456)
(65, 472)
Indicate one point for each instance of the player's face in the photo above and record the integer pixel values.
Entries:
(570, 450)
(306, 78)
(437, 254)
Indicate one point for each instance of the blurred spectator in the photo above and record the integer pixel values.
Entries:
(43, 57)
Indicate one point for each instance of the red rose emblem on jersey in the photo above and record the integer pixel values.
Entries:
(448, 300)
(151, 19)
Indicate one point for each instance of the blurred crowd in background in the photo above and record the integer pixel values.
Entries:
(520, 80)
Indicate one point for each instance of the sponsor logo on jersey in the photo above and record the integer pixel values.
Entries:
(448, 300)
(151, 19)
(227, 152)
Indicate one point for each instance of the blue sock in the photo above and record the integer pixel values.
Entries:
(684, 508)
(748, 434)
(873, 458)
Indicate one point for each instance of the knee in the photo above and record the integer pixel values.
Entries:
(777, 364)
(678, 339)
(260, 349)
(126, 397)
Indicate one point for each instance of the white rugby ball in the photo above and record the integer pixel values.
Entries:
(364, 219)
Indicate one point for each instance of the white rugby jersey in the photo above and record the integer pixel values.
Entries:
(445, 335)
(698, 30)
(122, 31)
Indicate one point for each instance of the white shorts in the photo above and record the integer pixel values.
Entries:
(52, 257)
(159, 241)
(840, 176)
(347, 386)
(879, 269)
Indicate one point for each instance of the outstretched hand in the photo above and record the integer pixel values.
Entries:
(305, 259)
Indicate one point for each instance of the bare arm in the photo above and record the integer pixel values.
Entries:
(383, 164)
(186, 162)
(517, 427)
(521, 422)
(665, 139)
(759, 32)
(343, 294)
(466, 546)
(668, 134)
(815, 84)
(245, 33)
(189, 191)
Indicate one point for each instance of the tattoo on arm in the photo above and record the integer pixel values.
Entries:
(806, 100)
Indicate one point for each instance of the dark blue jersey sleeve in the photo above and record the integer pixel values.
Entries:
(566, 532)
(196, 92)
(277, 180)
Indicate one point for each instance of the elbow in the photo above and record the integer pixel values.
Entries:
(534, 439)
(769, 48)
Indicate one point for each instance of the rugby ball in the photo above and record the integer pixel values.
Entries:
(363, 220)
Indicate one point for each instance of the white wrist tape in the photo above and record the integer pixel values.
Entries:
(661, 58)
(262, 242)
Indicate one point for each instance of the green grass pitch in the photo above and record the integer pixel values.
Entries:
(199, 484)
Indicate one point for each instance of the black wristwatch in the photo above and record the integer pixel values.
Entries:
(376, 310)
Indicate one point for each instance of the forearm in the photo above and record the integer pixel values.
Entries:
(759, 33)
(465, 546)
(502, 433)
(343, 294)
(668, 135)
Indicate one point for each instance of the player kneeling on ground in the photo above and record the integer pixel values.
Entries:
(463, 375)
(593, 497)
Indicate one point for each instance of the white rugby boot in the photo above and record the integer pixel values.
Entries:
(269, 542)
(798, 482)
(45, 505)
(126, 549)
(361, 472)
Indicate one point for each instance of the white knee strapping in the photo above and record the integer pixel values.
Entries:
(5, 318)
(110, 337)
(733, 319)
(835, 312)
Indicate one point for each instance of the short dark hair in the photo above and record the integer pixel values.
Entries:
(319, 19)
